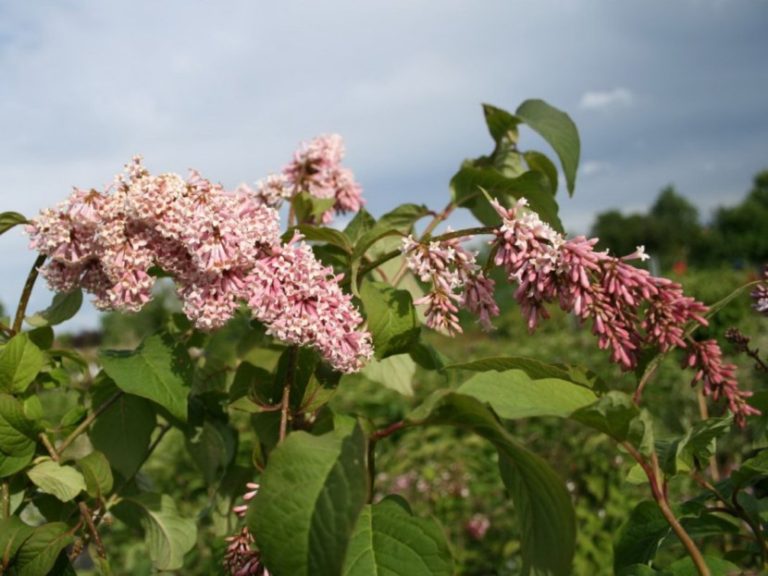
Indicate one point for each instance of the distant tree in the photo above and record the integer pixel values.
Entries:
(740, 233)
(621, 234)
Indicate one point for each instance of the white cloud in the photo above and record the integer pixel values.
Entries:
(606, 99)
(592, 167)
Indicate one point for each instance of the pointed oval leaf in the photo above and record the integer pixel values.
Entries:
(157, 370)
(17, 433)
(312, 492)
(541, 498)
(39, 552)
(64, 482)
(557, 128)
(326, 235)
(64, 306)
(640, 536)
(513, 394)
(389, 539)
(391, 318)
(13, 533)
(20, 362)
(97, 473)
(394, 372)
(168, 535)
(10, 219)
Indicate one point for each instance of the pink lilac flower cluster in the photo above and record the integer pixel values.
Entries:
(760, 294)
(629, 308)
(316, 168)
(241, 558)
(221, 248)
(456, 281)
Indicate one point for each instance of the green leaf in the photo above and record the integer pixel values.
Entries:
(696, 447)
(10, 465)
(617, 416)
(17, 433)
(97, 473)
(544, 506)
(640, 536)
(10, 219)
(751, 470)
(312, 492)
(540, 162)
(513, 394)
(403, 217)
(212, 448)
(394, 372)
(123, 432)
(309, 208)
(638, 570)
(391, 318)
(389, 539)
(469, 181)
(557, 128)
(64, 482)
(327, 235)
(158, 370)
(64, 306)
(359, 225)
(38, 554)
(13, 534)
(168, 535)
(501, 124)
(20, 362)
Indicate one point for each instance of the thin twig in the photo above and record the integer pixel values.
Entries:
(26, 293)
(6, 498)
(285, 404)
(388, 431)
(48, 446)
(85, 513)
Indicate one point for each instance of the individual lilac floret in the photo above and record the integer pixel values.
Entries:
(629, 308)
(456, 280)
(760, 294)
(316, 168)
(220, 247)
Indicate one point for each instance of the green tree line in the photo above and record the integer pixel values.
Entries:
(673, 231)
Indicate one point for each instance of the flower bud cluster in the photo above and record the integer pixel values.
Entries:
(241, 557)
(629, 308)
(456, 280)
(316, 168)
(221, 248)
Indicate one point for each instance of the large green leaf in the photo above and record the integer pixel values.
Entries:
(64, 306)
(513, 394)
(327, 235)
(17, 433)
(390, 541)
(13, 533)
(10, 464)
(469, 182)
(10, 219)
(751, 470)
(501, 124)
(20, 361)
(557, 128)
(168, 535)
(212, 448)
(694, 449)
(544, 507)
(158, 370)
(394, 372)
(123, 432)
(39, 552)
(403, 217)
(64, 482)
(617, 416)
(717, 566)
(391, 318)
(640, 536)
(97, 474)
(312, 492)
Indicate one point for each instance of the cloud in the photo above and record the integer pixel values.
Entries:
(593, 167)
(606, 99)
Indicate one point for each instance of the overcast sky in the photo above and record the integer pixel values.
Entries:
(662, 92)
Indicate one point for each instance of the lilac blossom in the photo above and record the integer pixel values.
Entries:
(222, 248)
(456, 281)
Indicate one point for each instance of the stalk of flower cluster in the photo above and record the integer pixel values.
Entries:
(629, 308)
(222, 249)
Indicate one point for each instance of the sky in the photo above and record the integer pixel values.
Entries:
(663, 92)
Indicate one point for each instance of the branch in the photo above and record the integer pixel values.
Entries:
(26, 293)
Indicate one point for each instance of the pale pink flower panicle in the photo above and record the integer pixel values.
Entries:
(222, 248)
(455, 279)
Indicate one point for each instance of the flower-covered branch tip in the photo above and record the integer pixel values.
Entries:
(221, 248)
